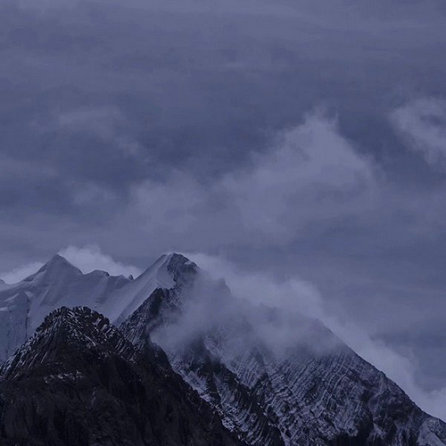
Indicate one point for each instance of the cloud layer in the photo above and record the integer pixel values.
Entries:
(422, 124)
(310, 173)
(87, 259)
(90, 258)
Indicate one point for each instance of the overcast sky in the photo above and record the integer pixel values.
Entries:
(291, 138)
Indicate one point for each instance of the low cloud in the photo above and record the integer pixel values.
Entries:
(21, 272)
(87, 259)
(245, 315)
(310, 173)
(295, 295)
(422, 125)
(90, 258)
(106, 124)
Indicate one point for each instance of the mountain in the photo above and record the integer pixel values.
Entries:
(271, 377)
(24, 305)
(275, 378)
(79, 382)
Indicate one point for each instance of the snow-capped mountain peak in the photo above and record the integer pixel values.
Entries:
(58, 283)
(56, 268)
(168, 271)
(24, 305)
(171, 266)
(58, 262)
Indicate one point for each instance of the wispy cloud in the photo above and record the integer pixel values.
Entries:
(20, 273)
(296, 295)
(309, 173)
(422, 125)
(89, 258)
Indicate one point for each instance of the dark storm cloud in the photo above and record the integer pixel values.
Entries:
(297, 138)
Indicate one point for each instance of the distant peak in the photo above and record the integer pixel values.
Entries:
(175, 259)
(56, 266)
(58, 262)
(58, 259)
(172, 262)
(181, 269)
(168, 270)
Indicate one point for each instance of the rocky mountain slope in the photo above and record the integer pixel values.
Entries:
(272, 378)
(78, 382)
(313, 390)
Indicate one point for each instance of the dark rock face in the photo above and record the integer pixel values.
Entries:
(78, 382)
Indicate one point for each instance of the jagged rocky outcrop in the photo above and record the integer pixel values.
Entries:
(316, 391)
(79, 382)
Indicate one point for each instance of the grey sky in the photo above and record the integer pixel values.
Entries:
(292, 138)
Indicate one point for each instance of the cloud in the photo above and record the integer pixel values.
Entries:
(399, 368)
(295, 295)
(21, 272)
(87, 259)
(100, 121)
(309, 173)
(45, 5)
(173, 205)
(209, 308)
(90, 258)
(106, 124)
(89, 193)
(312, 173)
(422, 124)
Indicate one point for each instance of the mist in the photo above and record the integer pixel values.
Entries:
(286, 316)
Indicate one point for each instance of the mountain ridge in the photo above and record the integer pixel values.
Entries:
(271, 377)
(379, 412)
(80, 382)
(24, 305)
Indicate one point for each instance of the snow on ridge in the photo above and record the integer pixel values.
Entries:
(59, 283)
